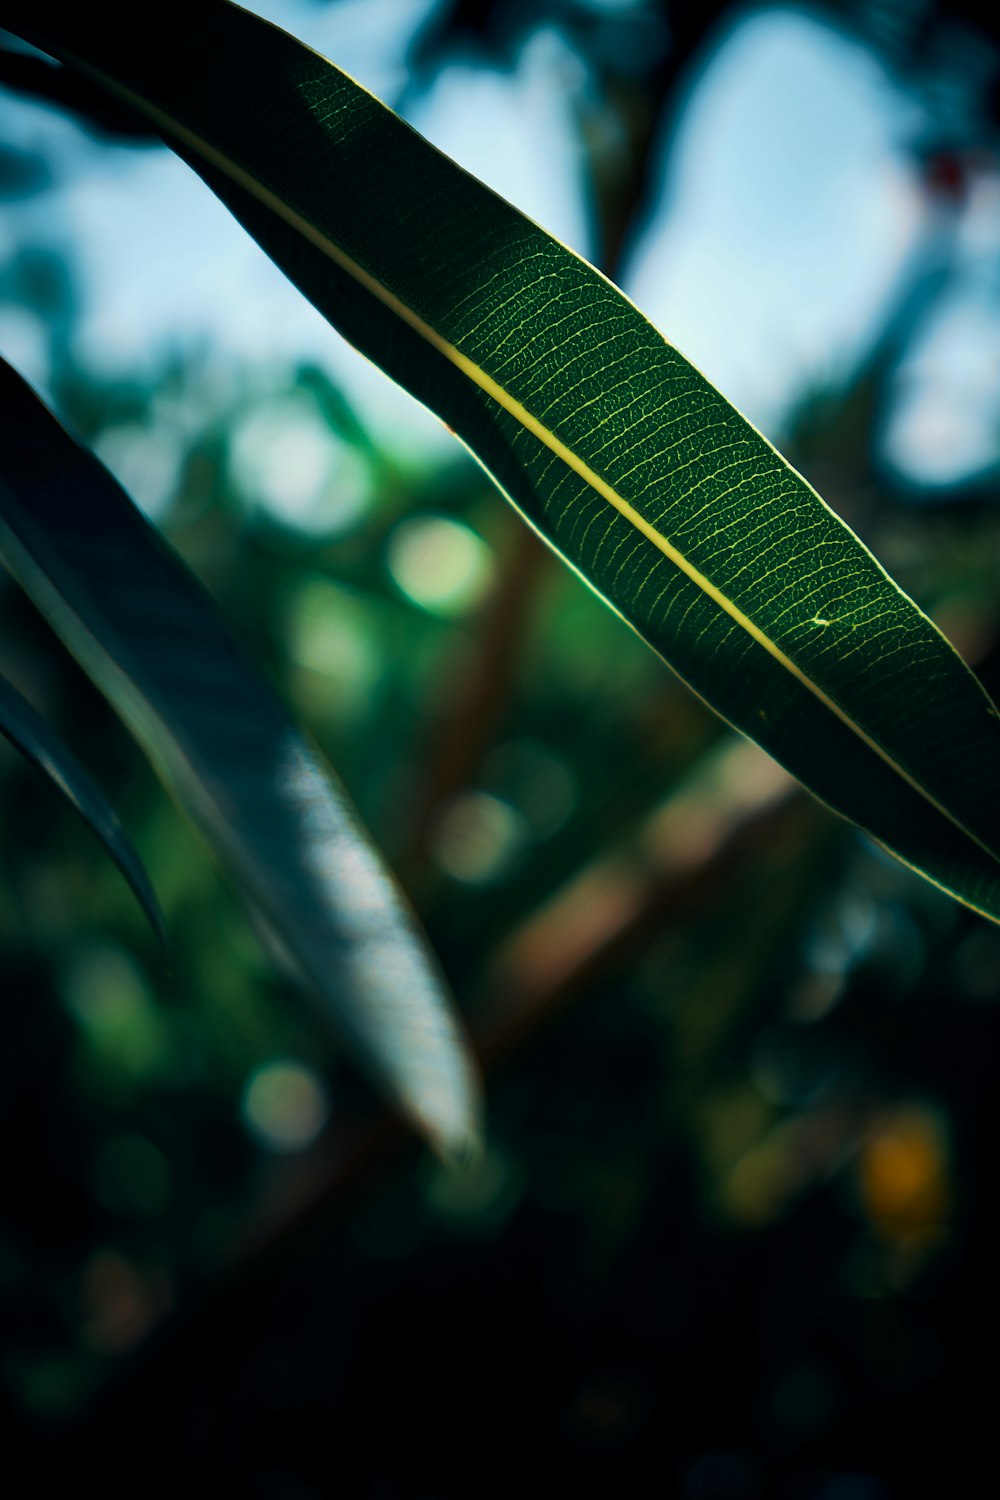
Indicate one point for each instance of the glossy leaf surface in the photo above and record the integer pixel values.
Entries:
(615, 448)
(28, 731)
(152, 640)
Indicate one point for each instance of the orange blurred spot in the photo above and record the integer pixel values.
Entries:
(904, 1174)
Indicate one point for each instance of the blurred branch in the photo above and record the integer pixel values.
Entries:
(733, 807)
(643, 99)
(612, 907)
(467, 731)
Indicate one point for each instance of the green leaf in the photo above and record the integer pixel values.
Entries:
(152, 640)
(29, 732)
(615, 448)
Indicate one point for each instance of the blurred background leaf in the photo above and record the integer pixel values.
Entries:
(31, 735)
(268, 806)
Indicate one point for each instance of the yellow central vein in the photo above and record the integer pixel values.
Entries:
(250, 184)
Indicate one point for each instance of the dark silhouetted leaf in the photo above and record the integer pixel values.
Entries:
(29, 732)
(152, 640)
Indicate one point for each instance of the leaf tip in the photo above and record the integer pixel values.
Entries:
(452, 1122)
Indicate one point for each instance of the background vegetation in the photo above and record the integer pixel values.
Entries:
(732, 1222)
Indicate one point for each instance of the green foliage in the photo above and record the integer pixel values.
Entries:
(716, 1209)
(612, 445)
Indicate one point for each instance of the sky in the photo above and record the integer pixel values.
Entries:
(787, 218)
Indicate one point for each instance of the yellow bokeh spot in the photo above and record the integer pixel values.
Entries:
(904, 1174)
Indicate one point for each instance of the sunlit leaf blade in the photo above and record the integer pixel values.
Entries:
(29, 732)
(152, 640)
(620, 453)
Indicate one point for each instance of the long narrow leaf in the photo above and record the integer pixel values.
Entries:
(152, 640)
(664, 498)
(36, 741)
